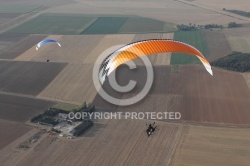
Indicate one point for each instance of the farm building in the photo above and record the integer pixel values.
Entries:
(82, 127)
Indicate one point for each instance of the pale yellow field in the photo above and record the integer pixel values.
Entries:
(107, 42)
(228, 4)
(214, 8)
(85, 49)
(74, 49)
(239, 43)
(168, 11)
(123, 4)
(73, 85)
(81, 8)
(208, 146)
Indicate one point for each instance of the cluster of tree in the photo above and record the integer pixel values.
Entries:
(47, 116)
(209, 26)
(236, 61)
(233, 25)
(191, 27)
(239, 12)
(51, 112)
(45, 119)
(49, 120)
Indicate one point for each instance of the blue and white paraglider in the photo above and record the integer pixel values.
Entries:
(41, 43)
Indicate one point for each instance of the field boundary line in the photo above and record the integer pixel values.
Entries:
(21, 19)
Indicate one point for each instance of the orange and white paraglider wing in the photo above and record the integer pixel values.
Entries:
(148, 47)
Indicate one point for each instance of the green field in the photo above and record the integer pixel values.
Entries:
(66, 107)
(18, 8)
(193, 38)
(76, 24)
(132, 24)
(144, 25)
(64, 24)
(106, 25)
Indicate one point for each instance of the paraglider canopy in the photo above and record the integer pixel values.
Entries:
(144, 48)
(46, 41)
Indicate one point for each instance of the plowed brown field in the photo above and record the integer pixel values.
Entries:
(105, 144)
(213, 146)
(222, 99)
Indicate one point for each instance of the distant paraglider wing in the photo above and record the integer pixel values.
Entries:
(147, 47)
(41, 43)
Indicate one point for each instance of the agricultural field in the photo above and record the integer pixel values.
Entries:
(18, 44)
(183, 13)
(75, 24)
(228, 4)
(73, 85)
(240, 43)
(9, 40)
(217, 45)
(86, 48)
(21, 9)
(122, 39)
(100, 26)
(190, 90)
(193, 38)
(176, 12)
(247, 78)
(77, 76)
(241, 31)
(214, 124)
(74, 49)
(104, 144)
(7, 135)
(228, 15)
(128, 25)
(28, 78)
(213, 146)
(21, 108)
(54, 24)
(5, 17)
(11, 154)
(222, 98)
(83, 8)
